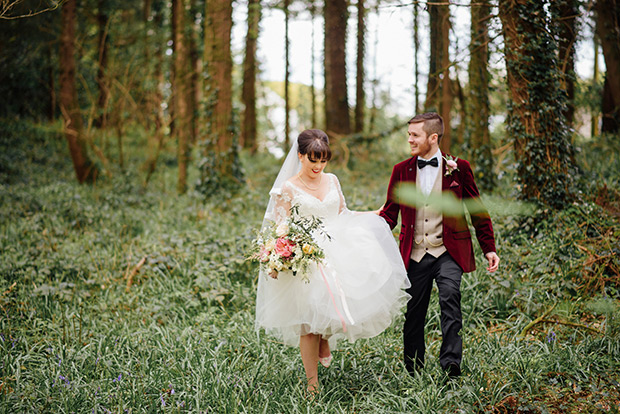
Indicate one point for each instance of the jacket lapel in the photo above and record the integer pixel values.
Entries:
(412, 171)
(446, 180)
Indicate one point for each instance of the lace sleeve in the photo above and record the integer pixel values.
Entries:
(343, 204)
(283, 203)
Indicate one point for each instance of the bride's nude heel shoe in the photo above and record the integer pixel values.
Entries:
(326, 362)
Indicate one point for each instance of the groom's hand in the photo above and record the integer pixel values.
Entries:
(493, 259)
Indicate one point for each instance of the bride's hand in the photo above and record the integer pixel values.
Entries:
(273, 274)
(378, 211)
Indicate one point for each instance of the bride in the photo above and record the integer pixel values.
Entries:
(358, 289)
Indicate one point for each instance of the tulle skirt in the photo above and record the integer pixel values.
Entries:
(356, 293)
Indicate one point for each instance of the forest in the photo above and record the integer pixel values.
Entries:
(139, 140)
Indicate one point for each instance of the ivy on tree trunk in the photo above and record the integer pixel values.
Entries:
(479, 138)
(536, 119)
(220, 167)
(248, 95)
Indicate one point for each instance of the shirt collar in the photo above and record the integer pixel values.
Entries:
(437, 154)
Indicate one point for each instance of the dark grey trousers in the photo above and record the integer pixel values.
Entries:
(447, 274)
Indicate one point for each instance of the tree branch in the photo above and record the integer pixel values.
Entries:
(6, 6)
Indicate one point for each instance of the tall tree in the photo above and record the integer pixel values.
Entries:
(375, 79)
(336, 98)
(102, 64)
(439, 94)
(181, 81)
(287, 74)
(478, 118)
(595, 74)
(535, 113)
(565, 13)
(312, 66)
(360, 97)
(248, 96)
(416, 47)
(220, 165)
(85, 170)
(194, 86)
(608, 31)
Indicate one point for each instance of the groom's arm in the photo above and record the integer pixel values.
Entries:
(480, 217)
(391, 208)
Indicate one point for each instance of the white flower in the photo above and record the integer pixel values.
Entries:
(282, 230)
(270, 244)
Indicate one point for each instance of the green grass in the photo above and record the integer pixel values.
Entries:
(75, 336)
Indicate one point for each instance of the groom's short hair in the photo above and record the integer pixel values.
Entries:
(433, 123)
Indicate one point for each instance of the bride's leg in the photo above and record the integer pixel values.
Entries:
(309, 349)
(324, 351)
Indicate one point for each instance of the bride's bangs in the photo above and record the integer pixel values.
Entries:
(319, 151)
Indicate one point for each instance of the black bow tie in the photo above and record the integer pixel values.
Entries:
(432, 162)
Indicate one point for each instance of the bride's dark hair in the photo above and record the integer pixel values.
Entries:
(315, 144)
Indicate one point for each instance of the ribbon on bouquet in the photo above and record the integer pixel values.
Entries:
(343, 299)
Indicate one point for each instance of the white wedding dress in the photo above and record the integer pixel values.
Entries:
(358, 290)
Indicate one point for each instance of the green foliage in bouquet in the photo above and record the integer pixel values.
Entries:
(289, 245)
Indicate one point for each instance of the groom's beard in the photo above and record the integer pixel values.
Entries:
(422, 149)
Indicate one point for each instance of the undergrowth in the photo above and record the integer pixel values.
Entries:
(124, 298)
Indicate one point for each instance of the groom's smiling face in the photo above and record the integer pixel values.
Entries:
(421, 144)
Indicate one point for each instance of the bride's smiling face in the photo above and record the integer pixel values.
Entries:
(312, 165)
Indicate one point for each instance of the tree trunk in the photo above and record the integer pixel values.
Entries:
(172, 110)
(181, 93)
(608, 31)
(220, 165)
(360, 97)
(287, 70)
(102, 64)
(193, 79)
(439, 94)
(416, 47)
(85, 170)
(375, 81)
(336, 98)
(565, 14)
(248, 96)
(595, 74)
(51, 85)
(312, 66)
(609, 107)
(478, 112)
(535, 116)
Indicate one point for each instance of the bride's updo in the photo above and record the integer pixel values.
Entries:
(315, 144)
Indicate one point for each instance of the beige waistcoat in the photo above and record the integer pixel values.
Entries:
(428, 231)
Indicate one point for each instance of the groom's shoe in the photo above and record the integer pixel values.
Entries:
(453, 371)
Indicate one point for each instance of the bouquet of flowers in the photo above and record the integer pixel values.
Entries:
(289, 245)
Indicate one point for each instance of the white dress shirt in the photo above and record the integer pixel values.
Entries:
(428, 174)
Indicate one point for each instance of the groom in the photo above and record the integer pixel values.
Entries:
(434, 246)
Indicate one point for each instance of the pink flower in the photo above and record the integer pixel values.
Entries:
(284, 247)
(263, 255)
(451, 164)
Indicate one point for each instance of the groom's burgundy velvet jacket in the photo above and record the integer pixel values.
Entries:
(456, 235)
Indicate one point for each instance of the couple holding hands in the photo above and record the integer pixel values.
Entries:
(366, 278)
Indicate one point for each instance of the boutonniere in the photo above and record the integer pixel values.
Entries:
(451, 165)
